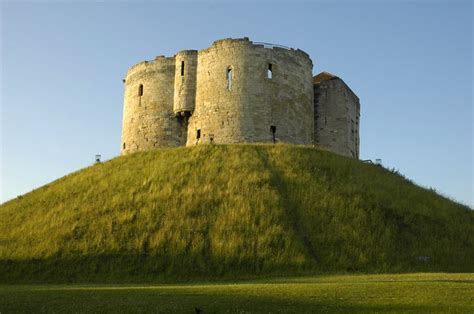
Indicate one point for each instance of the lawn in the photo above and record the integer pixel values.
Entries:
(408, 293)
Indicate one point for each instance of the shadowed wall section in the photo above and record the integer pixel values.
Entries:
(337, 115)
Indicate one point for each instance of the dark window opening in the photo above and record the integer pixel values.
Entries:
(140, 90)
(352, 131)
(123, 145)
(198, 136)
(269, 71)
(229, 78)
(182, 68)
(273, 129)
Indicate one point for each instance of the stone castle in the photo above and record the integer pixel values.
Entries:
(237, 91)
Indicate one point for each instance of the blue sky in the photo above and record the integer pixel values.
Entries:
(410, 63)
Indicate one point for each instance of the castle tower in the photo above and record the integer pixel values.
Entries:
(220, 94)
(148, 119)
(249, 92)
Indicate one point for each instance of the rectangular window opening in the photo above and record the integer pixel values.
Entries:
(352, 131)
(182, 68)
(140, 90)
(270, 71)
(198, 134)
(229, 78)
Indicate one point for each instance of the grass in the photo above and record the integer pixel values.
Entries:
(408, 293)
(226, 212)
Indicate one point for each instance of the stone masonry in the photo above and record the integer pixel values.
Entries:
(337, 112)
(237, 91)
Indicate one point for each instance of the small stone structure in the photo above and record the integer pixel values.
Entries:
(237, 91)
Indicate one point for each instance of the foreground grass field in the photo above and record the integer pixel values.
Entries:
(407, 293)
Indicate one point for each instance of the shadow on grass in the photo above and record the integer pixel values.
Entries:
(137, 268)
(29, 299)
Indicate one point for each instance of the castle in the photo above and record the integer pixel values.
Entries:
(237, 91)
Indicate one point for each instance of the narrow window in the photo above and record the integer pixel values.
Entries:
(352, 131)
(229, 78)
(269, 71)
(198, 135)
(182, 68)
(123, 145)
(273, 129)
(140, 90)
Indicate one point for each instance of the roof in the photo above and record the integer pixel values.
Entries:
(324, 76)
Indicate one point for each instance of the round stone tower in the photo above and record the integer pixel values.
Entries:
(250, 92)
(148, 120)
(220, 98)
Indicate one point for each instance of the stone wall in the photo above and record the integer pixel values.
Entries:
(282, 97)
(148, 119)
(244, 109)
(337, 113)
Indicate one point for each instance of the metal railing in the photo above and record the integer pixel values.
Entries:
(269, 45)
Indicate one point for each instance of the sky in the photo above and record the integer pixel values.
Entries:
(410, 63)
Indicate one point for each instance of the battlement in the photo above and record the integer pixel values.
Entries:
(235, 91)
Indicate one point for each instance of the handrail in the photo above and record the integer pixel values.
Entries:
(269, 45)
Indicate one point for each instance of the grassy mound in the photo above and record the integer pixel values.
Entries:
(230, 211)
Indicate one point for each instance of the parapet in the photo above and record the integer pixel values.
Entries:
(143, 65)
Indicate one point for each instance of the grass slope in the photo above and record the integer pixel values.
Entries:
(408, 293)
(229, 211)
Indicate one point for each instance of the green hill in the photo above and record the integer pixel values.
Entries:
(230, 211)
